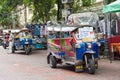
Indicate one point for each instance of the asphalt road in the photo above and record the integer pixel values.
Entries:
(19, 66)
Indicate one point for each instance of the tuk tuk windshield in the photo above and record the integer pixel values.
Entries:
(86, 34)
(60, 31)
(23, 34)
(59, 35)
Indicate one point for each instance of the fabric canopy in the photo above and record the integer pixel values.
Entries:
(112, 7)
(61, 28)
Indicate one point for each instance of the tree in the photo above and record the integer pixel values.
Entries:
(59, 11)
(7, 6)
(87, 3)
(42, 9)
(78, 5)
(26, 3)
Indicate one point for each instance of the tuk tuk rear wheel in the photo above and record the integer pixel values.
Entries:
(4, 45)
(52, 62)
(13, 49)
(91, 66)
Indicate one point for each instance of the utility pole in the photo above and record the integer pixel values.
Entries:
(67, 10)
(106, 51)
(13, 19)
(25, 13)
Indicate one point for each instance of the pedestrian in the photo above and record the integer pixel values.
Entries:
(11, 41)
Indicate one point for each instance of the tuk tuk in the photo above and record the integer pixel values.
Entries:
(80, 49)
(39, 35)
(22, 41)
(40, 42)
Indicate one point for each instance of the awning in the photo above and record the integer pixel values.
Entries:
(112, 7)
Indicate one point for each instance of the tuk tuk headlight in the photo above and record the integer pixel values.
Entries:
(99, 44)
(89, 46)
(77, 45)
(26, 39)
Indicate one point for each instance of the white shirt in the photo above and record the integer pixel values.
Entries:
(11, 38)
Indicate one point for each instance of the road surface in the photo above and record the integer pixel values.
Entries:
(19, 66)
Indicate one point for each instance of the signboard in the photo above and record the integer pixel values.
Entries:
(66, 12)
(86, 34)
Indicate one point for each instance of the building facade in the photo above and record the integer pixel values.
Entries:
(24, 15)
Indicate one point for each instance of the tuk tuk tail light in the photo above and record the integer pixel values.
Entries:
(77, 45)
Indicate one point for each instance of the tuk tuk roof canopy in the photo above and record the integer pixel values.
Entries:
(112, 7)
(12, 30)
(65, 27)
(86, 18)
(61, 27)
(24, 29)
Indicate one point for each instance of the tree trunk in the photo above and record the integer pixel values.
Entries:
(25, 14)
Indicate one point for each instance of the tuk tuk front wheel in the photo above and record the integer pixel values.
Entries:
(91, 66)
(52, 62)
(27, 49)
(30, 50)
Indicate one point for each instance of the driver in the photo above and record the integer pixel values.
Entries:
(26, 34)
(76, 35)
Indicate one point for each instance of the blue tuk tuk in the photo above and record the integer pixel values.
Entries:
(80, 49)
(23, 41)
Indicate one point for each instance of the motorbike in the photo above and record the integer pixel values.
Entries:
(5, 42)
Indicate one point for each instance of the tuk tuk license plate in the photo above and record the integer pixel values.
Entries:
(26, 42)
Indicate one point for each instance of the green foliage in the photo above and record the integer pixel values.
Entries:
(42, 9)
(27, 1)
(87, 3)
(76, 5)
(6, 7)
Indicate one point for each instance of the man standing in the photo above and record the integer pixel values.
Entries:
(11, 41)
